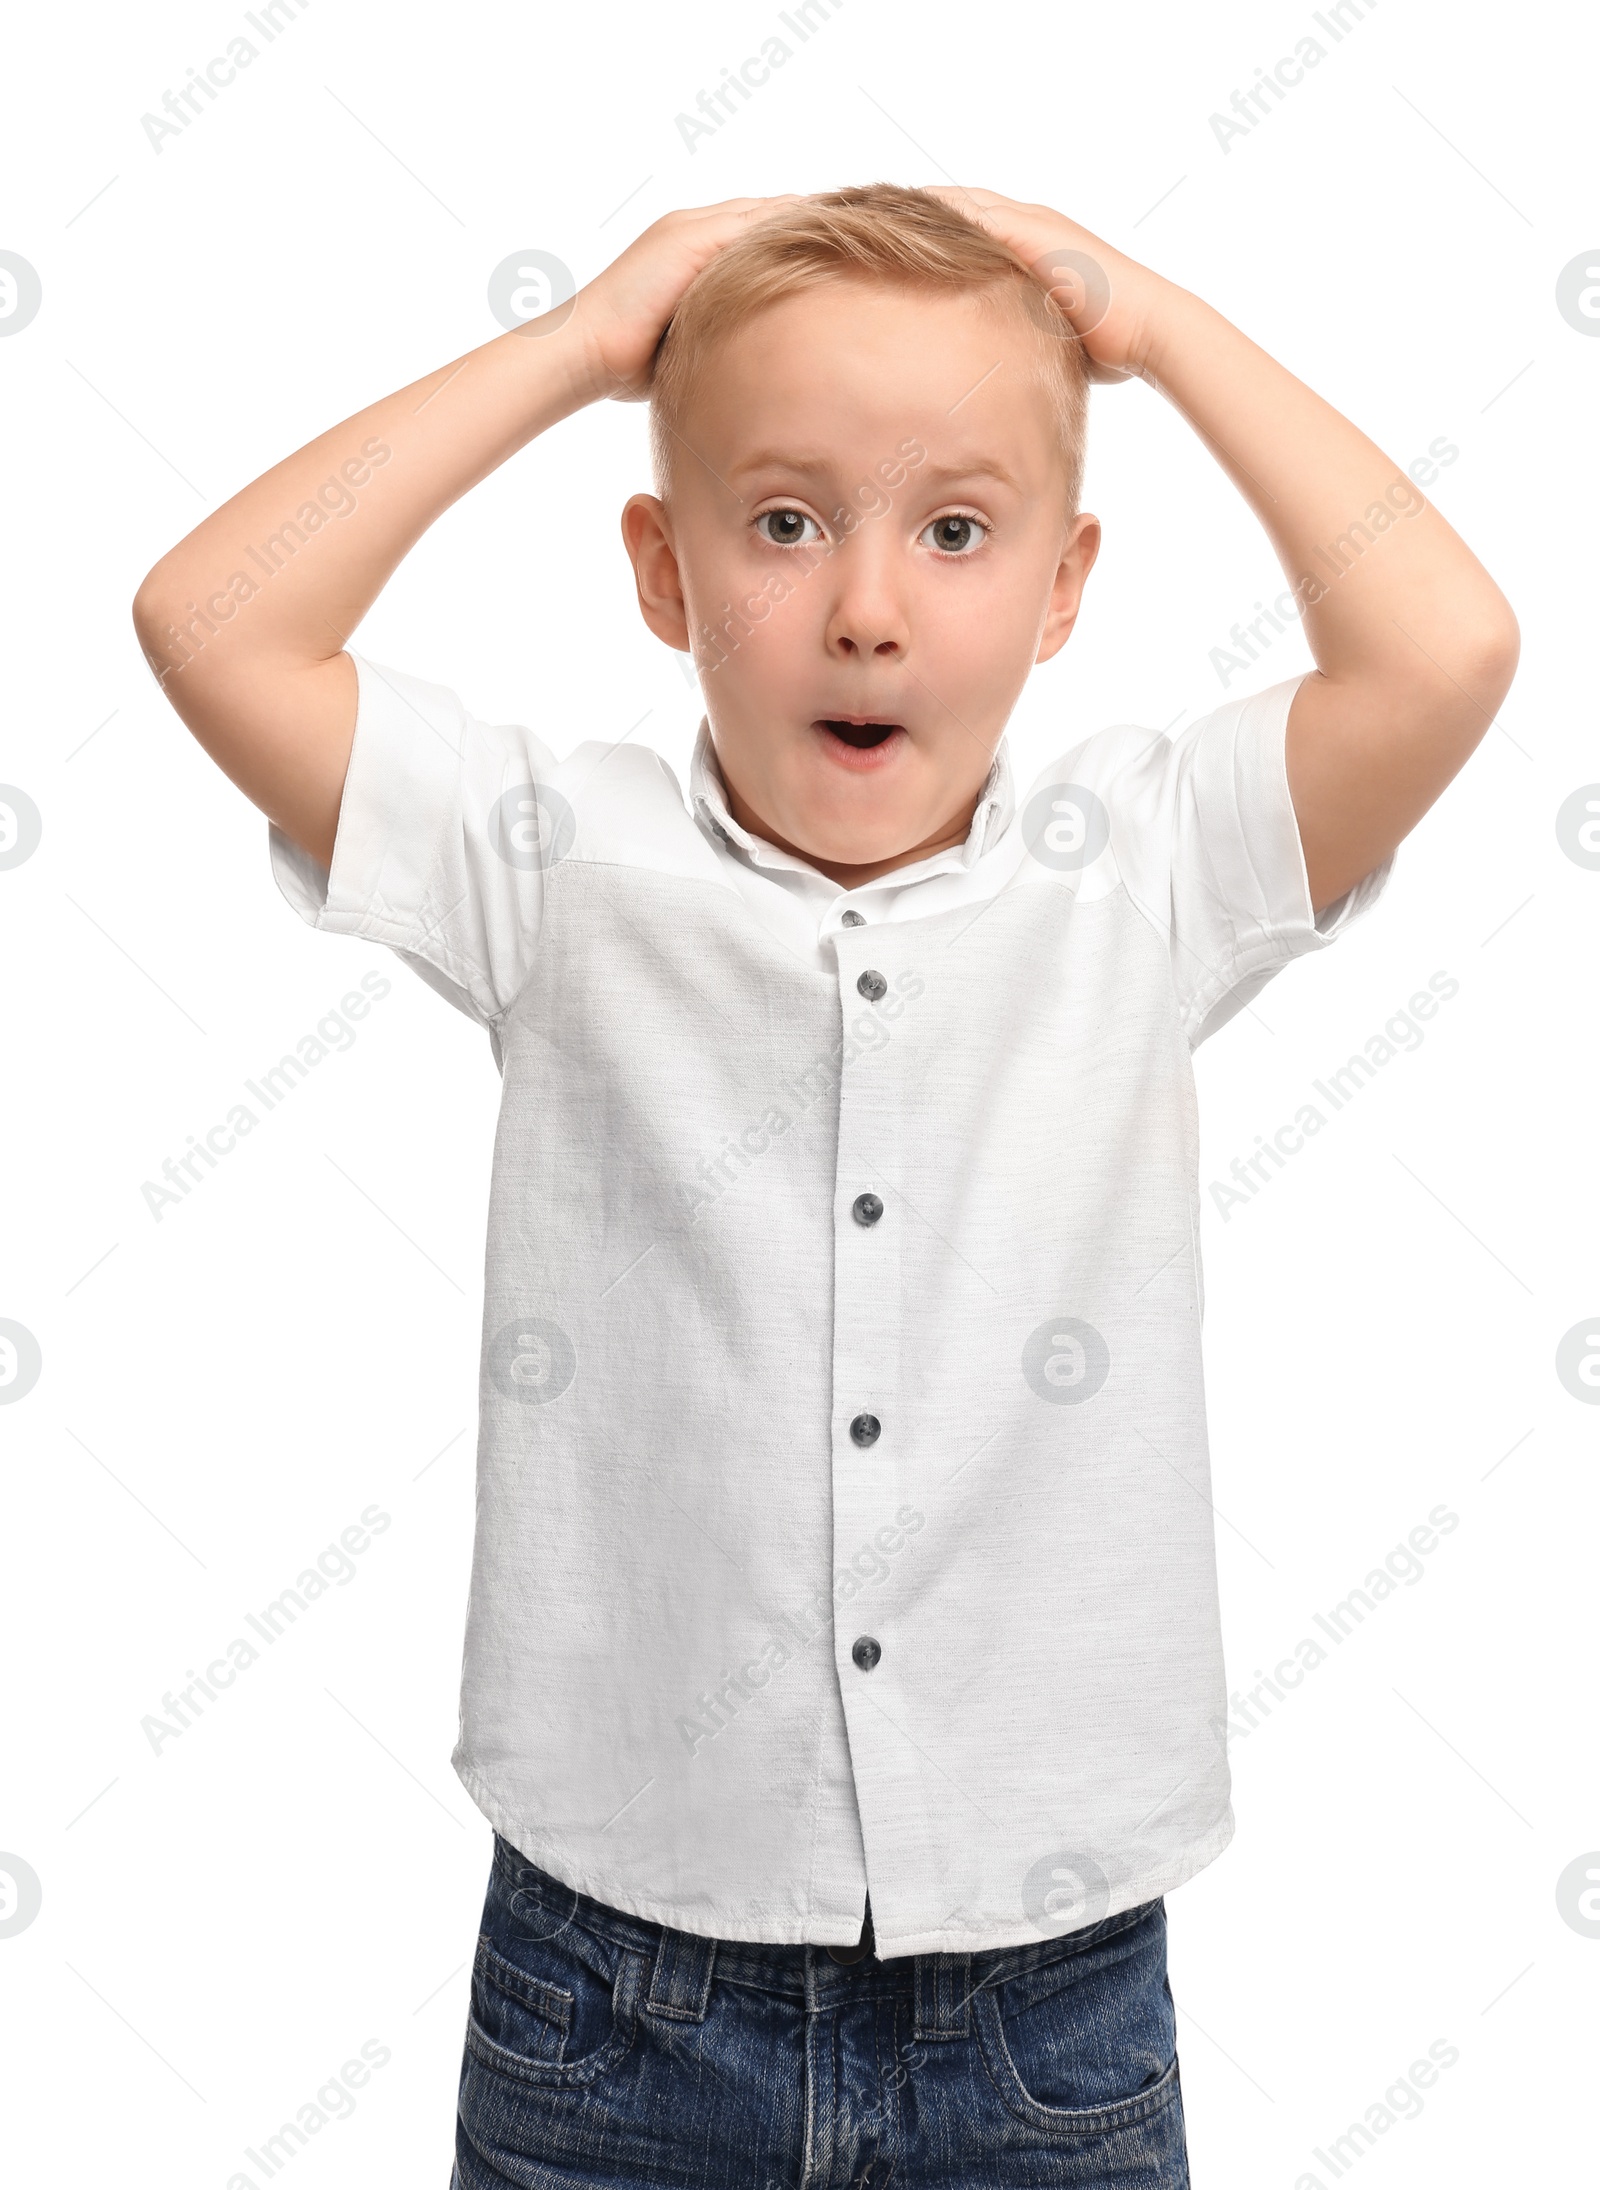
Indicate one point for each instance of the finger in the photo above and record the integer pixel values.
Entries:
(729, 214)
(755, 208)
(964, 198)
(717, 225)
(743, 208)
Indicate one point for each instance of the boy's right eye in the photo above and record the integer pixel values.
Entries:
(786, 527)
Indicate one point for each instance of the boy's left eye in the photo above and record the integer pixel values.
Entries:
(956, 534)
(786, 527)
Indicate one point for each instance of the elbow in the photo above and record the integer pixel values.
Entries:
(1478, 669)
(1494, 663)
(1500, 641)
(152, 609)
(152, 627)
(169, 628)
(166, 598)
(1495, 648)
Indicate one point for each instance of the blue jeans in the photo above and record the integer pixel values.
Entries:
(603, 2049)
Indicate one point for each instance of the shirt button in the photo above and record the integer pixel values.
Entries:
(866, 1209)
(866, 1652)
(852, 919)
(872, 986)
(866, 1429)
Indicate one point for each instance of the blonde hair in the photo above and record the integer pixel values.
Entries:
(877, 233)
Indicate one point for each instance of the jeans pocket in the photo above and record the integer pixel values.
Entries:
(1085, 2045)
(516, 2013)
(556, 2016)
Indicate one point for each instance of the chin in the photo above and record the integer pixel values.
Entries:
(825, 849)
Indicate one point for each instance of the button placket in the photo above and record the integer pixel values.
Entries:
(867, 1488)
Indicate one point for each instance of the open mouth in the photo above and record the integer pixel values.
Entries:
(863, 735)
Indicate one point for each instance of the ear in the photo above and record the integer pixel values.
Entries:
(1078, 553)
(647, 536)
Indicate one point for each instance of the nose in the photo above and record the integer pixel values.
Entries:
(867, 617)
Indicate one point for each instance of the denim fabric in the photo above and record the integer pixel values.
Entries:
(604, 2049)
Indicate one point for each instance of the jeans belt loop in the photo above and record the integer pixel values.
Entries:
(944, 1992)
(680, 1981)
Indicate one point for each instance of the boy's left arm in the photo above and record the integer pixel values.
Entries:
(1415, 644)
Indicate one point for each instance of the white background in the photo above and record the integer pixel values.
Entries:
(223, 1391)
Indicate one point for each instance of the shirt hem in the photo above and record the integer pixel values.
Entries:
(1146, 1885)
(1141, 1886)
(795, 1933)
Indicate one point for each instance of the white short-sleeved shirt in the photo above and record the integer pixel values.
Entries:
(843, 1513)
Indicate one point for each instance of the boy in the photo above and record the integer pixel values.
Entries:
(843, 1511)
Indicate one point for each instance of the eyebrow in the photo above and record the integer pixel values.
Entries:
(814, 467)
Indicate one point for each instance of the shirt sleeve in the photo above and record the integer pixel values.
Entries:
(1218, 859)
(447, 828)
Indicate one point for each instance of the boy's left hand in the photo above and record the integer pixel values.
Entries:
(1109, 299)
(1415, 645)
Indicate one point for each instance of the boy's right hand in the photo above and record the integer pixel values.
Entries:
(245, 621)
(622, 314)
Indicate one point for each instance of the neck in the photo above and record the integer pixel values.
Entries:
(849, 875)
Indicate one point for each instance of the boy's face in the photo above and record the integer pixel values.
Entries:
(869, 516)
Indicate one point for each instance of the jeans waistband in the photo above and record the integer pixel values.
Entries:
(683, 1964)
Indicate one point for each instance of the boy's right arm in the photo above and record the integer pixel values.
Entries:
(245, 621)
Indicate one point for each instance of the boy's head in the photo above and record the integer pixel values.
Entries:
(868, 427)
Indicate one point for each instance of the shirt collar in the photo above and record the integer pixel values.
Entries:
(708, 797)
